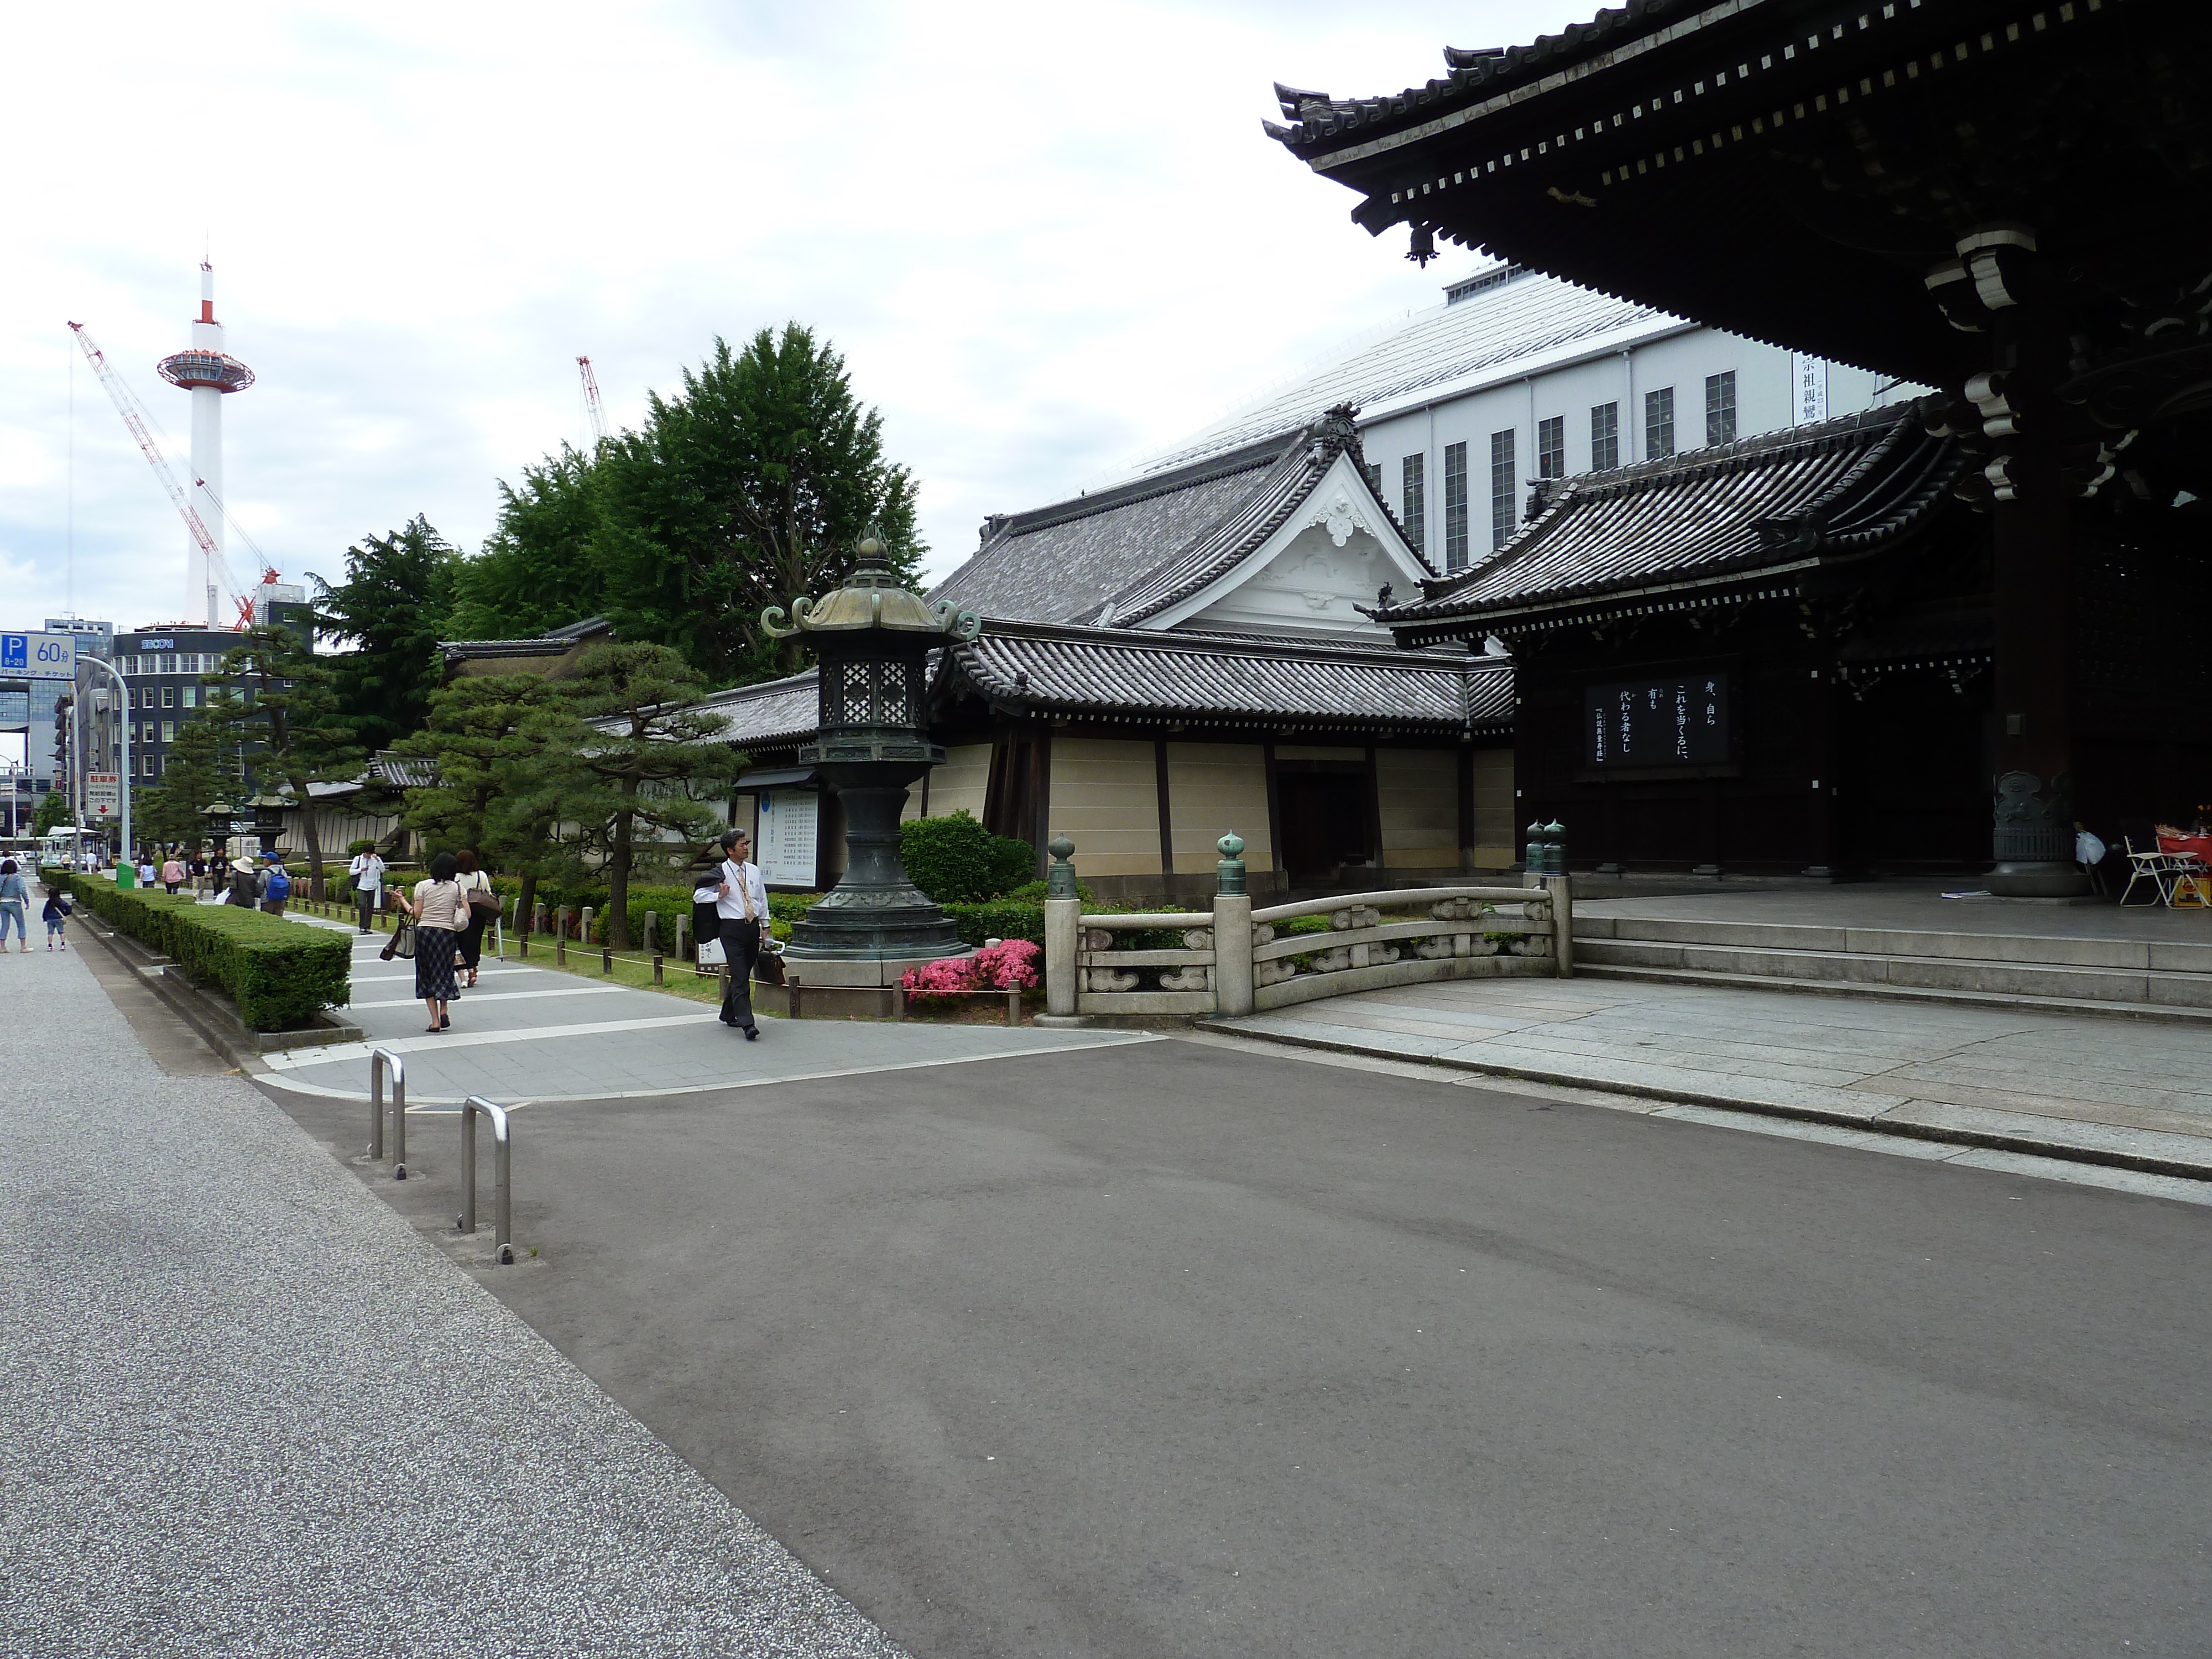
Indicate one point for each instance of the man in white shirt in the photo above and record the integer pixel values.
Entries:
(742, 920)
(368, 872)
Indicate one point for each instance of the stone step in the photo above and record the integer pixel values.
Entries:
(2140, 955)
(2180, 1013)
(1996, 976)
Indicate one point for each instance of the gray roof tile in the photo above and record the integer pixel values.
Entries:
(1830, 491)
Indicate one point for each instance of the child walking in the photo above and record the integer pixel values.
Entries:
(56, 915)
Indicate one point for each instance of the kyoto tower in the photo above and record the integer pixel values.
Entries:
(208, 373)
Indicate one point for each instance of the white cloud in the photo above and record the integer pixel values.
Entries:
(1044, 238)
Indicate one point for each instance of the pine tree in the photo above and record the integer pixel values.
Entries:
(649, 759)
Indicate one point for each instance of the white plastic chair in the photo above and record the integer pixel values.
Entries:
(2162, 870)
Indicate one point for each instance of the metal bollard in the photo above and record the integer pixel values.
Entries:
(607, 960)
(503, 1186)
(381, 1062)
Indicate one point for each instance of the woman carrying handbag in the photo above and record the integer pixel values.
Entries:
(483, 905)
(440, 911)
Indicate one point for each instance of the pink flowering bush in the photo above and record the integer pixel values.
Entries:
(1011, 966)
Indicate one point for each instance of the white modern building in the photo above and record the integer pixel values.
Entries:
(1518, 377)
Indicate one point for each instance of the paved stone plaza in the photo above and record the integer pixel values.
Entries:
(2138, 1088)
(535, 1033)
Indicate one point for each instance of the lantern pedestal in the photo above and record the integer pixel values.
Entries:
(875, 916)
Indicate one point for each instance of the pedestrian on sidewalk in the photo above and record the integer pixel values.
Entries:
(368, 872)
(742, 922)
(439, 910)
(273, 885)
(14, 896)
(145, 872)
(469, 945)
(55, 916)
(172, 873)
(243, 892)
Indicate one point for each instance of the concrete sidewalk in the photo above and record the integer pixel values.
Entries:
(2133, 1094)
(533, 1034)
(245, 1409)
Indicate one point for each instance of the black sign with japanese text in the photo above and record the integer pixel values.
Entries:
(1682, 721)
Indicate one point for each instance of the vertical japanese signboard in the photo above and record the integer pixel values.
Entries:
(789, 820)
(1808, 389)
(103, 796)
(1679, 721)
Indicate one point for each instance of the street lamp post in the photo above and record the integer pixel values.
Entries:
(125, 871)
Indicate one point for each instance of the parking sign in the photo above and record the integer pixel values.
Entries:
(37, 656)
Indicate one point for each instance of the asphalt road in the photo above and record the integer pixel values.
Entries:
(1165, 1349)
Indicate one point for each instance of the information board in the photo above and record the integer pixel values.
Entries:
(1680, 721)
(789, 820)
(103, 795)
(37, 656)
(1808, 381)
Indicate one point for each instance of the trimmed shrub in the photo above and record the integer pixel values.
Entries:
(56, 877)
(956, 861)
(997, 918)
(1036, 892)
(281, 973)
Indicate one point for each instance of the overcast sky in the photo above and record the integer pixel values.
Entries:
(1046, 239)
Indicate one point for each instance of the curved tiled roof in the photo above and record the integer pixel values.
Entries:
(1116, 673)
(770, 715)
(1123, 554)
(1787, 499)
(1471, 77)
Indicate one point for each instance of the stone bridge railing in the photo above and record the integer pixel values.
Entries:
(1236, 960)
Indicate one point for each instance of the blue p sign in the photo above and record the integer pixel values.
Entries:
(14, 650)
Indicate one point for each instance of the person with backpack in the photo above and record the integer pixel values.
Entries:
(55, 916)
(274, 885)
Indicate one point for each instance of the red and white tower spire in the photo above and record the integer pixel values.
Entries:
(209, 373)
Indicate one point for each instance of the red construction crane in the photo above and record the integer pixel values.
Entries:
(592, 398)
(134, 417)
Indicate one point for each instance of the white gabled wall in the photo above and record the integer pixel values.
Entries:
(1306, 580)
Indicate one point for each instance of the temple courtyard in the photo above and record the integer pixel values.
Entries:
(922, 1340)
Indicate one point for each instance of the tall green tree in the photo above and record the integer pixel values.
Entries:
(544, 565)
(753, 484)
(651, 758)
(53, 813)
(285, 715)
(395, 604)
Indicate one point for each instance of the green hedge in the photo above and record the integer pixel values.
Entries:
(281, 973)
(56, 877)
(956, 861)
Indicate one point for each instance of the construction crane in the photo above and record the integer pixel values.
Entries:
(592, 399)
(134, 416)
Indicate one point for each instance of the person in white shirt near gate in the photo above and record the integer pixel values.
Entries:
(742, 920)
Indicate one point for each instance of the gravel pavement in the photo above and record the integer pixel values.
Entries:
(248, 1410)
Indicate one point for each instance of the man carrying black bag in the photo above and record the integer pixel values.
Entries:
(742, 920)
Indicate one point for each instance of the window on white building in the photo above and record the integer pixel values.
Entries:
(1454, 507)
(1502, 502)
(1552, 447)
(1659, 424)
(1413, 500)
(1605, 437)
(1720, 409)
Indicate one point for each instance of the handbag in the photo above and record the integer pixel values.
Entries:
(402, 943)
(768, 967)
(484, 902)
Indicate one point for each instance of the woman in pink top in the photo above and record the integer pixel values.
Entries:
(440, 910)
(172, 873)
